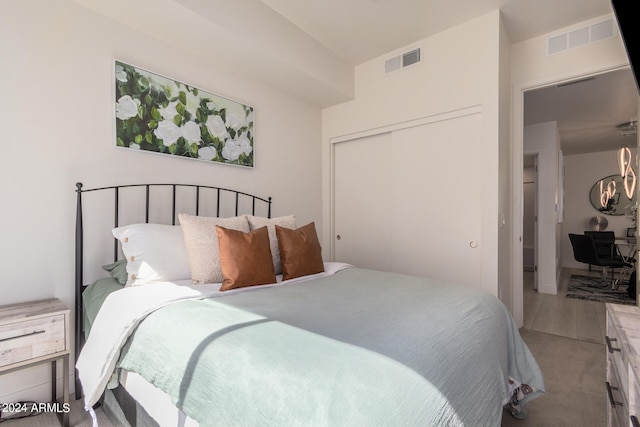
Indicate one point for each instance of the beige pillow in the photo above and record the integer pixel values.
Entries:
(300, 251)
(288, 221)
(245, 258)
(201, 242)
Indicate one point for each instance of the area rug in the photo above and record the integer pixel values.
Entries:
(591, 288)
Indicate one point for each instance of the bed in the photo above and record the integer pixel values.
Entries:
(284, 338)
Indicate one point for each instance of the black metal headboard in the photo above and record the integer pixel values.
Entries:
(238, 197)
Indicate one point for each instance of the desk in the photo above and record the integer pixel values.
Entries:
(626, 247)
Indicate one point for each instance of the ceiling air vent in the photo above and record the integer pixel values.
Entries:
(580, 37)
(402, 61)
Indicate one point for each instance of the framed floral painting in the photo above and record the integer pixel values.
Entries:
(157, 114)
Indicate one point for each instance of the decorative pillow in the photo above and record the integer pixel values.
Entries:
(245, 258)
(201, 241)
(154, 252)
(288, 221)
(118, 270)
(300, 251)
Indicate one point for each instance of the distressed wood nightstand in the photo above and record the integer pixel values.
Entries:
(37, 332)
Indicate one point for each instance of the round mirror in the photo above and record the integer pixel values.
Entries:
(619, 204)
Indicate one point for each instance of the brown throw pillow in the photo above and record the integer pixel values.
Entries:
(300, 251)
(245, 258)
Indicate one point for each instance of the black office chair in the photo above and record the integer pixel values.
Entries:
(585, 251)
(605, 242)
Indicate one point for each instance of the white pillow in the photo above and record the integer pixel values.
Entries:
(201, 242)
(154, 252)
(288, 221)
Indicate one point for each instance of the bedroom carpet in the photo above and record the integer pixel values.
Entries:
(574, 374)
(591, 288)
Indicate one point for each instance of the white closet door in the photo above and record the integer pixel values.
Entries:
(437, 205)
(362, 195)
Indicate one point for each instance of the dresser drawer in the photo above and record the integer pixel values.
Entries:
(619, 404)
(32, 338)
(617, 353)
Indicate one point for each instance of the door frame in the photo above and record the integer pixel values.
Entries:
(517, 158)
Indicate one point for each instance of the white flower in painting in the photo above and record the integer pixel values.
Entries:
(126, 107)
(169, 112)
(193, 102)
(234, 148)
(207, 153)
(234, 121)
(134, 146)
(216, 127)
(168, 132)
(191, 132)
(121, 75)
(211, 105)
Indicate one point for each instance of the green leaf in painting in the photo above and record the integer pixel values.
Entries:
(156, 114)
(183, 97)
(119, 142)
(177, 119)
(138, 139)
(173, 148)
(180, 109)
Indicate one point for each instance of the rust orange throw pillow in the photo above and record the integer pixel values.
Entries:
(245, 258)
(300, 251)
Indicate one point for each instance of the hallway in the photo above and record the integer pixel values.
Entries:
(559, 315)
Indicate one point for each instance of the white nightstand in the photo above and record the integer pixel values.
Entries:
(37, 332)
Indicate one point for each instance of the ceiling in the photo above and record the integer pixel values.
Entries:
(359, 30)
(306, 46)
(586, 113)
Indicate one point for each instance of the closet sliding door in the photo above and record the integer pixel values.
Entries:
(409, 200)
(362, 197)
(437, 192)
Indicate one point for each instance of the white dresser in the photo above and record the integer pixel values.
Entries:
(623, 365)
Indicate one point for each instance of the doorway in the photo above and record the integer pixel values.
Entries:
(517, 177)
(530, 217)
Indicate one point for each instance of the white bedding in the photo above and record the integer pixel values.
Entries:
(123, 310)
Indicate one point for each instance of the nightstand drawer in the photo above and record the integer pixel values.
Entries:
(29, 339)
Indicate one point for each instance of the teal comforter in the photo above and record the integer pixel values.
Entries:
(359, 348)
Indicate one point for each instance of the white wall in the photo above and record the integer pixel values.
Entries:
(582, 171)
(543, 139)
(460, 69)
(56, 114)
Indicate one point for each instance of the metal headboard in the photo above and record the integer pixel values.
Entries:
(79, 258)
